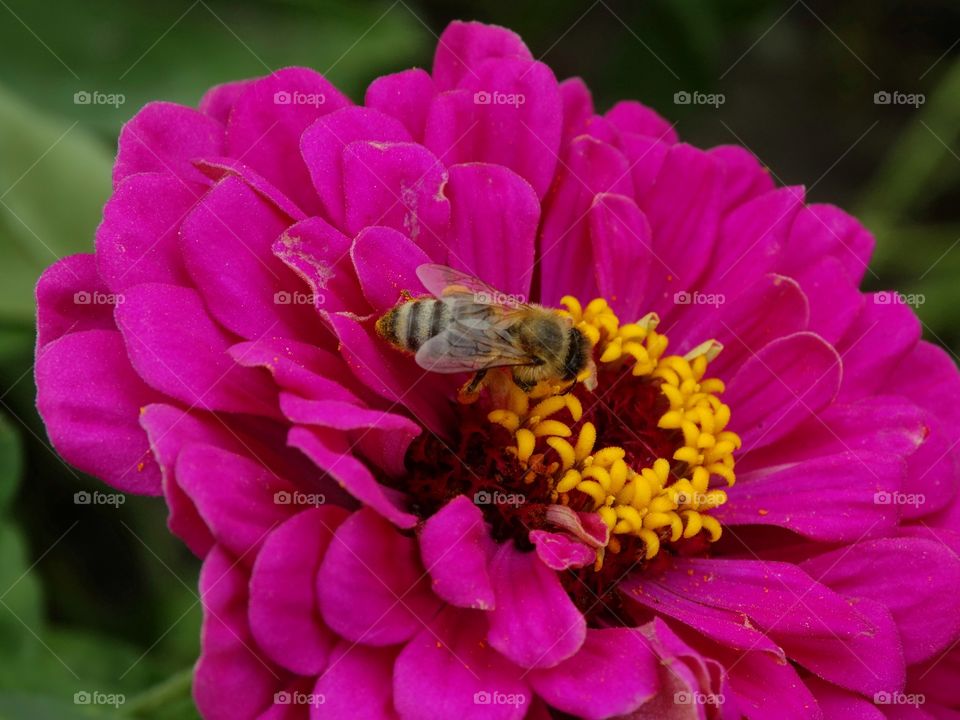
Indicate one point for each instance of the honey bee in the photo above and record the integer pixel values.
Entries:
(468, 326)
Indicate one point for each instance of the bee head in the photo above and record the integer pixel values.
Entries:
(578, 353)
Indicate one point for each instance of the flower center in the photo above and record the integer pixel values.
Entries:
(631, 469)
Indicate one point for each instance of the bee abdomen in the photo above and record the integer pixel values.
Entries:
(411, 324)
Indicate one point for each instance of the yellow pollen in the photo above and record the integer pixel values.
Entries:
(663, 503)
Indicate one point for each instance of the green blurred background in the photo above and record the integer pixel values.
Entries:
(97, 598)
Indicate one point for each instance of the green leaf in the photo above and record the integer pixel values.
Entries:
(54, 180)
(11, 464)
(21, 706)
(20, 600)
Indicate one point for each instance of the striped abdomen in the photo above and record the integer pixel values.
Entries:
(410, 324)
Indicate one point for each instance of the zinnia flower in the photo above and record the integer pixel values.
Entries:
(752, 514)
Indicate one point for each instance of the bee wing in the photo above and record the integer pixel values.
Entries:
(442, 281)
(477, 339)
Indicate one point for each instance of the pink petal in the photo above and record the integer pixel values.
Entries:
(834, 298)
(371, 586)
(534, 623)
(241, 501)
(165, 138)
(382, 437)
(786, 382)
(817, 627)
(404, 95)
(72, 297)
(577, 108)
(494, 215)
(767, 688)
(683, 207)
(217, 168)
(175, 346)
(887, 570)
(752, 237)
(386, 263)
(634, 117)
(840, 703)
(394, 375)
(323, 144)
(884, 332)
(90, 398)
(746, 177)
(448, 671)
(356, 684)
(330, 450)
(399, 185)
(231, 682)
(508, 112)
(226, 243)
(320, 255)
(266, 124)
(169, 429)
(621, 242)
(590, 167)
(464, 45)
(137, 240)
(218, 101)
(612, 674)
(560, 552)
(827, 231)
(456, 547)
(284, 617)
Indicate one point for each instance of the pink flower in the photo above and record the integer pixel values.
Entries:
(374, 547)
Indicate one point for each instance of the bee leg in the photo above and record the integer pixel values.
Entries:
(477, 379)
(524, 385)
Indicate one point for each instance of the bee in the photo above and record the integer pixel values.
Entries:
(468, 326)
